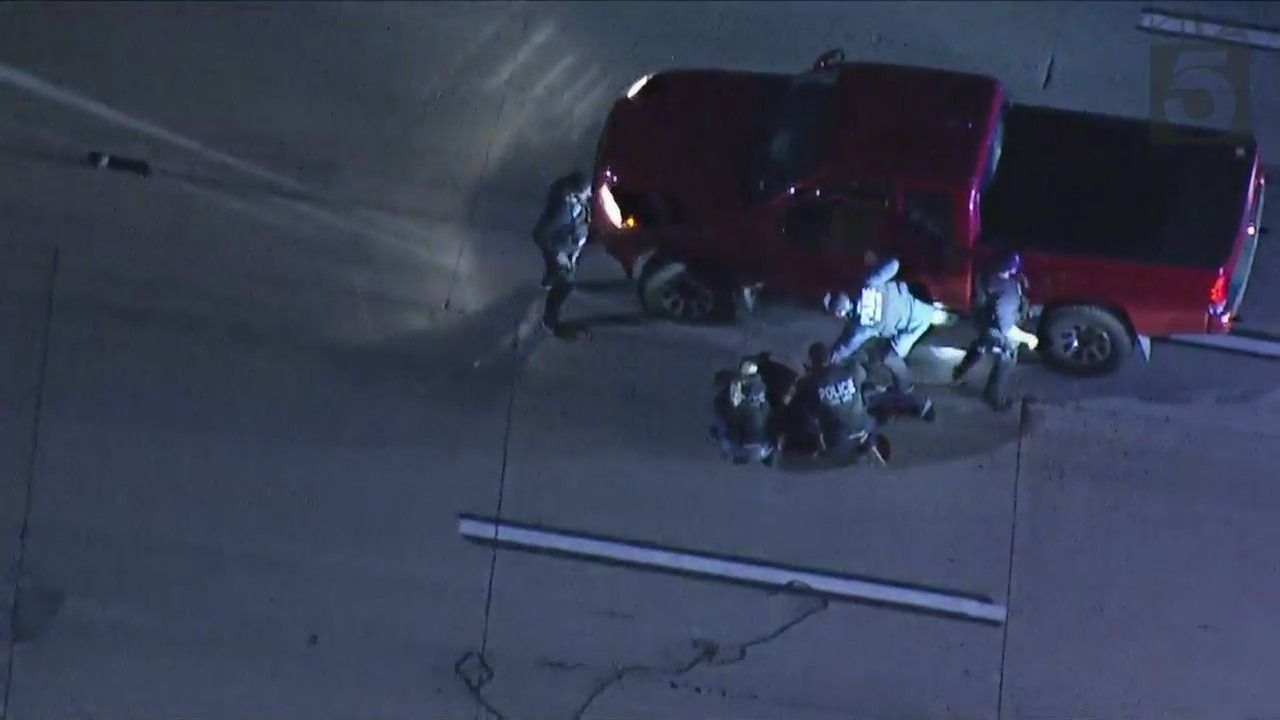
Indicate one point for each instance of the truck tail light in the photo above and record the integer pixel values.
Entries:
(1218, 292)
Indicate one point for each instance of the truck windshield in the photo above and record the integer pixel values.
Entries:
(796, 131)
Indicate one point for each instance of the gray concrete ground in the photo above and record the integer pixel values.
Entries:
(1141, 570)
(277, 371)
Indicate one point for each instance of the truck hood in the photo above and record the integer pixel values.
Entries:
(693, 137)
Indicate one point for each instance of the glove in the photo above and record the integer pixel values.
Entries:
(939, 316)
(1020, 336)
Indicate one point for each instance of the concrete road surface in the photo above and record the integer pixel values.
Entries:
(248, 396)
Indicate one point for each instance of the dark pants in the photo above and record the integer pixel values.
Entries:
(557, 278)
(904, 396)
(733, 448)
(888, 403)
(1003, 360)
(557, 296)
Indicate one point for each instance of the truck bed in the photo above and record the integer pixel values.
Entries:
(1101, 186)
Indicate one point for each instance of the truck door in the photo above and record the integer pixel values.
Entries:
(929, 248)
(798, 229)
(825, 236)
(859, 224)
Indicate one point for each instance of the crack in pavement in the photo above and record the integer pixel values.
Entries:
(705, 653)
(19, 563)
(1013, 540)
(486, 672)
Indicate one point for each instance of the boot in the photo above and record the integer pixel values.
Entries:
(1000, 404)
(995, 393)
(929, 413)
(966, 364)
(878, 450)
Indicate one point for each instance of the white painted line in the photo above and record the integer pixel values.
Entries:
(23, 80)
(1233, 343)
(1188, 26)
(738, 570)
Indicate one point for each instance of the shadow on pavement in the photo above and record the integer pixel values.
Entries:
(440, 364)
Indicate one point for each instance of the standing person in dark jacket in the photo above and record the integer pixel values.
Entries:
(560, 234)
(742, 416)
(831, 401)
(999, 303)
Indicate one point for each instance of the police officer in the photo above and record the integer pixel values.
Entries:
(742, 416)
(886, 308)
(999, 302)
(560, 234)
(830, 398)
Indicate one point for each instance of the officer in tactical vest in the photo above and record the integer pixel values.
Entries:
(560, 234)
(886, 308)
(742, 416)
(999, 303)
(830, 398)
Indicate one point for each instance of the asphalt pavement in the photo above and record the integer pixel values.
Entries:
(248, 396)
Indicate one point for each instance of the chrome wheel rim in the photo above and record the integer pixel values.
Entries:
(686, 299)
(1083, 346)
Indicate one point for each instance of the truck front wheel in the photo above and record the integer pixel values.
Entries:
(1084, 340)
(674, 291)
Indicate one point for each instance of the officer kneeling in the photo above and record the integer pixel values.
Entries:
(999, 304)
(742, 417)
(830, 399)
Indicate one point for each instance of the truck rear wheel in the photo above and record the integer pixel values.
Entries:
(674, 291)
(1084, 340)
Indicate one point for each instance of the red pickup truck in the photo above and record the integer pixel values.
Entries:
(712, 181)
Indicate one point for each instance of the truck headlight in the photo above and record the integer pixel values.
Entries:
(638, 85)
(610, 206)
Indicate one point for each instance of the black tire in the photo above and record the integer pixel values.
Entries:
(1084, 340)
(674, 291)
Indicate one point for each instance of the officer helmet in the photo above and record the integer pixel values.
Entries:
(819, 353)
(575, 183)
(1007, 263)
(838, 304)
(748, 367)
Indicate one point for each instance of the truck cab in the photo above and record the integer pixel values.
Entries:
(710, 181)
